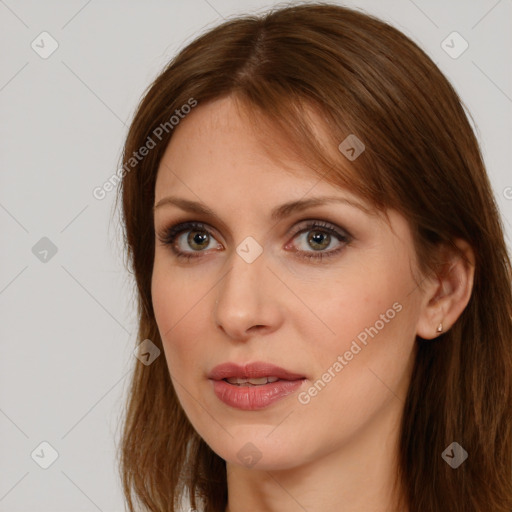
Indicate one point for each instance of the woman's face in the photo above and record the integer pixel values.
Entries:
(319, 288)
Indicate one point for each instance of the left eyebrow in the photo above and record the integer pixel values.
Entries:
(296, 206)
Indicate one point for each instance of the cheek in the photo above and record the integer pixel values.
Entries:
(342, 310)
(164, 301)
(362, 343)
(175, 294)
(178, 311)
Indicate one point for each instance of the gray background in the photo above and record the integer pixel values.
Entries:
(67, 330)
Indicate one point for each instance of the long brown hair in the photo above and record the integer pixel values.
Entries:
(421, 158)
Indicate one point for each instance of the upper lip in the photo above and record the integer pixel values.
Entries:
(251, 371)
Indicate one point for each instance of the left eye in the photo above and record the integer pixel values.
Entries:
(318, 239)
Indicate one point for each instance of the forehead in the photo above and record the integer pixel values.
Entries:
(218, 145)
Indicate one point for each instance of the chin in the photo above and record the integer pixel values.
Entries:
(251, 447)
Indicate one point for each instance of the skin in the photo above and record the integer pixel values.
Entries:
(336, 452)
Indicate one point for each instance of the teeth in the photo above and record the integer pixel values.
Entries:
(251, 382)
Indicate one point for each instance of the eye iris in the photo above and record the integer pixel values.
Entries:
(319, 240)
(198, 239)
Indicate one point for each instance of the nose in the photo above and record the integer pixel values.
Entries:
(248, 300)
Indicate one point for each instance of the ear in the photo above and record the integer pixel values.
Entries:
(447, 292)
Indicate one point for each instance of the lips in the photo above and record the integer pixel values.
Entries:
(256, 370)
(253, 386)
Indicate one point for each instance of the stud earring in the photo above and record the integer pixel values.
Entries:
(440, 328)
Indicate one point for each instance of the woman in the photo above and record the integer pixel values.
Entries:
(319, 257)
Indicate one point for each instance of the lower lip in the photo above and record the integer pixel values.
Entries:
(251, 398)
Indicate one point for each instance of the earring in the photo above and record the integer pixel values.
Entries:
(440, 328)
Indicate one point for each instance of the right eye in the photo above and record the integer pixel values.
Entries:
(188, 238)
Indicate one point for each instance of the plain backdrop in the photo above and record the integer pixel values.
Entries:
(68, 322)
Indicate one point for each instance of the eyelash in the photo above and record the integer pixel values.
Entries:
(169, 236)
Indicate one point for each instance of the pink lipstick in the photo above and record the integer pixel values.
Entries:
(253, 386)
